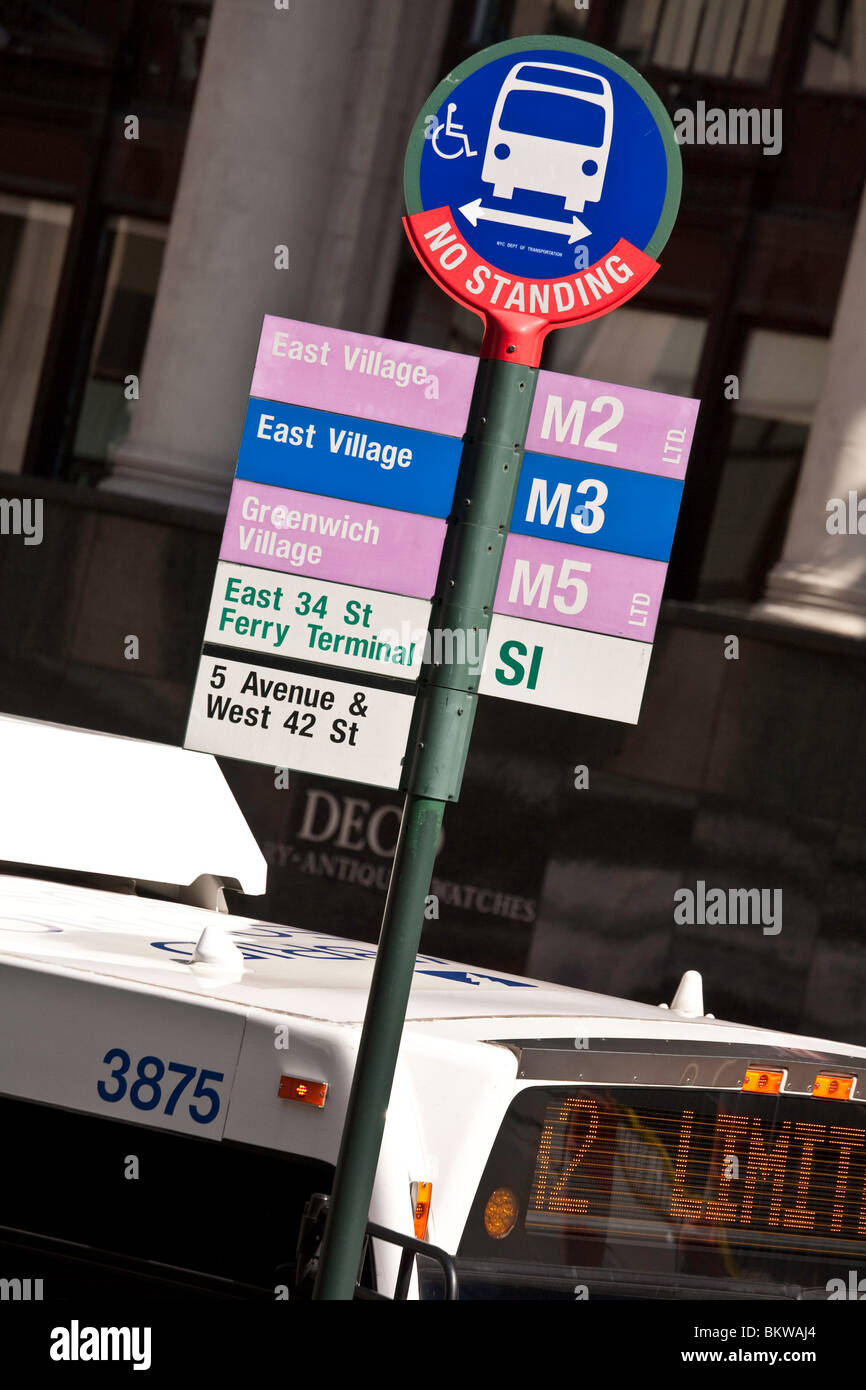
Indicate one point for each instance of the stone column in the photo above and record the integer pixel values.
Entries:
(820, 579)
(297, 140)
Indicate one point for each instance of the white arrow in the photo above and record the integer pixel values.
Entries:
(575, 229)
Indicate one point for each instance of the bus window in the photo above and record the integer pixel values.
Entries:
(190, 1218)
(555, 118)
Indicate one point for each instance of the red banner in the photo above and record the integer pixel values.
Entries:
(518, 313)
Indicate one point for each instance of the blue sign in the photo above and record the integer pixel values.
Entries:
(590, 504)
(548, 153)
(342, 456)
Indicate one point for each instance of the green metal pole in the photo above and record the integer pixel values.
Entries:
(445, 713)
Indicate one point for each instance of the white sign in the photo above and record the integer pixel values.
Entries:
(565, 668)
(303, 619)
(312, 723)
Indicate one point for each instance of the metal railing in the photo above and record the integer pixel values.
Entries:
(309, 1245)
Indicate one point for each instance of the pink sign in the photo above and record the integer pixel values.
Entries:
(573, 586)
(597, 422)
(376, 378)
(349, 542)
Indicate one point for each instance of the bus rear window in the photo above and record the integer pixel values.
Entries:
(554, 117)
(682, 1189)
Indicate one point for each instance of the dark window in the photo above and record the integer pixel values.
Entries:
(201, 1217)
(553, 117)
(721, 38)
(837, 52)
(757, 488)
(136, 260)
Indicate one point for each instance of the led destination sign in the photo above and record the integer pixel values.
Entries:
(675, 1184)
(601, 1163)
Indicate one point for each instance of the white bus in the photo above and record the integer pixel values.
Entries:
(166, 1069)
(550, 132)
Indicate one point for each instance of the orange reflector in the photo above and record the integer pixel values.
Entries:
(422, 1195)
(833, 1087)
(500, 1214)
(297, 1088)
(759, 1079)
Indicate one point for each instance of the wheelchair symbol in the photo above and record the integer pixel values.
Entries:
(456, 131)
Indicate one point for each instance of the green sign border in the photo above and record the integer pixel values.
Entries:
(415, 149)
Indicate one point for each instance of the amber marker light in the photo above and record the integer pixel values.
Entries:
(299, 1088)
(500, 1214)
(422, 1196)
(760, 1079)
(833, 1087)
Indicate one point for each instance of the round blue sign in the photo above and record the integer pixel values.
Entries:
(548, 153)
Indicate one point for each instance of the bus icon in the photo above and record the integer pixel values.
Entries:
(550, 132)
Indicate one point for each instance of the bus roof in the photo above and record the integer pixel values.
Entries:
(134, 943)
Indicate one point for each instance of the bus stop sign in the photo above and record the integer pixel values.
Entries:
(541, 181)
